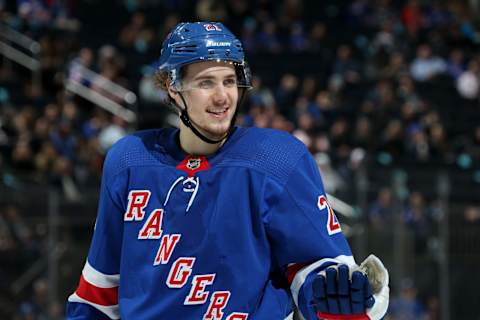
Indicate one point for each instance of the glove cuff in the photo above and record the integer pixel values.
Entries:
(378, 277)
(329, 316)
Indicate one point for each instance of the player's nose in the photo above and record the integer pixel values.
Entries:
(220, 94)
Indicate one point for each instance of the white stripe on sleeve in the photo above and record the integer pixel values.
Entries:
(99, 279)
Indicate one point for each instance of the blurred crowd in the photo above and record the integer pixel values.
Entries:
(390, 82)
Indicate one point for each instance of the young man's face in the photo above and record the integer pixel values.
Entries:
(211, 93)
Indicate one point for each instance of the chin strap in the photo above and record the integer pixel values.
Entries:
(186, 121)
(189, 123)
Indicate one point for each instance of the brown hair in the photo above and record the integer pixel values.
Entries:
(160, 79)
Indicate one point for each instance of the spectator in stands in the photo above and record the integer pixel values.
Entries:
(392, 139)
(468, 83)
(298, 40)
(239, 12)
(260, 96)
(417, 218)
(36, 12)
(382, 210)
(426, 66)
(345, 68)
(45, 159)
(248, 35)
(339, 138)
(406, 306)
(326, 105)
(40, 133)
(37, 307)
(455, 63)
(407, 93)
(267, 39)
(76, 68)
(437, 15)
(471, 214)
(110, 71)
(334, 183)
(64, 139)
(286, 94)
(302, 136)
(433, 310)
(359, 13)
(137, 35)
(417, 143)
(384, 42)
(438, 142)
(108, 55)
(147, 90)
(318, 40)
(63, 178)
(40, 14)
(114, 131)
(22, 155)
(363, 135)
(412, 17)
(211, 10)
(396, 67)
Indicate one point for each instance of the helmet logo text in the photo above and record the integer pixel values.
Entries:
(211, 43)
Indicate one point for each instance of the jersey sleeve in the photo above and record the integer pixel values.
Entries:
(96, 296)
(304, 233)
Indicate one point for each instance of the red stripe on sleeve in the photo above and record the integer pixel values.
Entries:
(97, 295)
(329, 316)
(293, 269)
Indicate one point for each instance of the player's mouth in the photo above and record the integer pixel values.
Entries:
(219, 113)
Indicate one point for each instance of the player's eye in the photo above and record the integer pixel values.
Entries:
(230, 82)
(206, 84)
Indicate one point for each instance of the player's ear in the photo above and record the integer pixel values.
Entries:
(172, 92)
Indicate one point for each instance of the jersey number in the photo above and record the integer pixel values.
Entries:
(333, 226)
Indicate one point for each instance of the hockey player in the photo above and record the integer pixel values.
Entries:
(211, 221)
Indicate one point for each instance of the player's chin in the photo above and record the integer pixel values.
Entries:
(218, 130)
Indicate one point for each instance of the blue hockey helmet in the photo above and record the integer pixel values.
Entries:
(202, 41)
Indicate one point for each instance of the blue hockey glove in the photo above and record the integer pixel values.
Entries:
(342, 292)
(339, 296)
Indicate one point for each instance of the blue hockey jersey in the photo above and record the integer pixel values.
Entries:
(189, 237)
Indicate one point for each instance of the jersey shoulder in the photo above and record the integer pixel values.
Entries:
(132, 150)
(271, 151)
